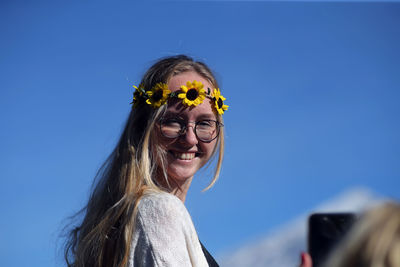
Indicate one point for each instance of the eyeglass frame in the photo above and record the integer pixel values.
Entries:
(184, 127)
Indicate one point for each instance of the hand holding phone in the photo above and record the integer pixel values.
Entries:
(325, 230)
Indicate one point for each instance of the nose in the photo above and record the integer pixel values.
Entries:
(190, 136)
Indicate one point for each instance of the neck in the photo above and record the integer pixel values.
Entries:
(178, 188)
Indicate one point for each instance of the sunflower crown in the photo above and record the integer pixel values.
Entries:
(191, 94)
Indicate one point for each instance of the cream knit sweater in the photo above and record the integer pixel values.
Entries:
(165, 234)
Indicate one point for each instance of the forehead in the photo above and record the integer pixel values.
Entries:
(203, 110)
(175, 82)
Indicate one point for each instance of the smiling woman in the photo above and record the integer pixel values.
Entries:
(136, 214)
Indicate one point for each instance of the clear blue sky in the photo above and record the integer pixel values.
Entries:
(313, 89)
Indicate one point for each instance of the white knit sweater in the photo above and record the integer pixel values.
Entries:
(164, 234)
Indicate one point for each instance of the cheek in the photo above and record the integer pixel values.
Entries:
(209, 149)
(161, 141)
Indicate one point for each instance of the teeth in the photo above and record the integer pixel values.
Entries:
(184, 156)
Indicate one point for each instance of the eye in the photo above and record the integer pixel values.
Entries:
(206, 124)
(171, 127)
(172, 122)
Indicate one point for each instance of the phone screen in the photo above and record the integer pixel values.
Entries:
(325, 230)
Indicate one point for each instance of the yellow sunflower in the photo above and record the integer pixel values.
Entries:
(158, 95)
(219, 101)
(137, 94)
(192, 94)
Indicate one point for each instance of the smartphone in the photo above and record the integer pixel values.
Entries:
(325, 231)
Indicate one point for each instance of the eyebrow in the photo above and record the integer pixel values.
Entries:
(180, 115)
(170, 113)
(207, 116)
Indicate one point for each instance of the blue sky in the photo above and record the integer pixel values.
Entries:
(313, 90)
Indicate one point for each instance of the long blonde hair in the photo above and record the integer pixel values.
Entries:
(104, 236)
(373, 242)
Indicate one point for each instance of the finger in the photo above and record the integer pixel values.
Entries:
(305, 260)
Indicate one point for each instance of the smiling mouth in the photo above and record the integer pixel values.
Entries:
(184, 156)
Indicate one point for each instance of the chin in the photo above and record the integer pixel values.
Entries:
(182, 170)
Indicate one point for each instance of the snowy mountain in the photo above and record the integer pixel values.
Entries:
(282, 247)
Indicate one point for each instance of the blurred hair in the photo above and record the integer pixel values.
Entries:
(103, 237)
(374, 241)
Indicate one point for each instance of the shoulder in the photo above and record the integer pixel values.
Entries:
(160, 199)
(162, 207)
(164, 234)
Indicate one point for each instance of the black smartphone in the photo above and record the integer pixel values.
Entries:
(325, 231)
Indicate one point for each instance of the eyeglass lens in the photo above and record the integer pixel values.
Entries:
(205, 130)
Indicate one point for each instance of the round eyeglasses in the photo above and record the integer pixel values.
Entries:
(205, 130)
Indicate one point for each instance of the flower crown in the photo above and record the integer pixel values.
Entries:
(191, 94)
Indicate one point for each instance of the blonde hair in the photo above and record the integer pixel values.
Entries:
(373, 242)
(103, 237)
